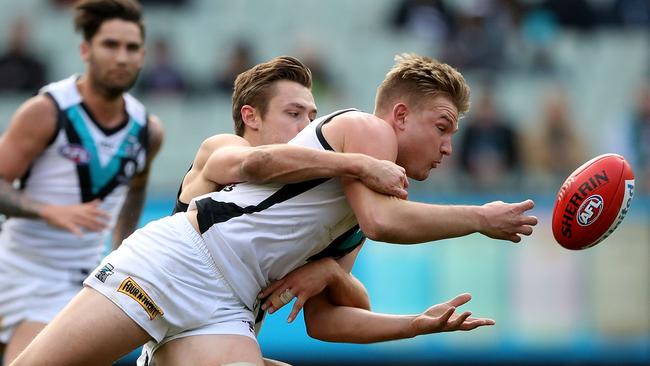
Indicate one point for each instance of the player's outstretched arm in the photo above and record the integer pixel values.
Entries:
(31, 129)
(284, 163)
(326, 275)
(353, 325)
(127, 220)
(385, 218)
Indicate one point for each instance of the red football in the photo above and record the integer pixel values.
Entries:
(593, 201)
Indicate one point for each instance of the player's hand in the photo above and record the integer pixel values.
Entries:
(385, 177)
(301, 283)
(443, 318)
(75, 218)
(507, 221)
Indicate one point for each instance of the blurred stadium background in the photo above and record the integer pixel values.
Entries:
(554, 83)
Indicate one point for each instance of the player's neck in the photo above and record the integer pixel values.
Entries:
(252, 138)
(107, 110)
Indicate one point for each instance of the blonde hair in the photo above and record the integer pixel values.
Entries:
(253, 87)
(417, 77)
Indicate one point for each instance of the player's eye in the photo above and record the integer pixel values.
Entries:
(110, 44)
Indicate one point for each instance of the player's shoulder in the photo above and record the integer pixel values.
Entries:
(215, 142)
(41, 108)
(39, 104)
(361, 124)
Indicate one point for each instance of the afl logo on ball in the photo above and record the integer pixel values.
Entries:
(589, 210)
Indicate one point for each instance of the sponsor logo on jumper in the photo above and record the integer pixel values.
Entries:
(130, 288)
(104, 272)
(76, 153)
(584, 189)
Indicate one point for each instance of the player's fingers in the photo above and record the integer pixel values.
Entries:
(529, 220)
(296, 309)
(74, 229)
(87, 224)
(281, 300)
(96, 218)
(485, 321)
(444, 318)
(473, 323)
(456, 323)
(525, 205)
(514, 238)
(101, 214)
(272, 303)
(271, 289)
(460, 300)
(525, 230)
(401, 193)
(69, 225)
(92, 224)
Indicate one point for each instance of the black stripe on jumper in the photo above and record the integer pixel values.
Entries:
(211, 212)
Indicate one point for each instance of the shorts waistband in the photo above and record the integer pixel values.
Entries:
(197, 242)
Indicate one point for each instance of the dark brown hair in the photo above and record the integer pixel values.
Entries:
(253, 86)
(90, 14)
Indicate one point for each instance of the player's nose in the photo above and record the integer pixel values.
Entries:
(446, 148)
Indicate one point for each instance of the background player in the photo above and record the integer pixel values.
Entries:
(82, 150)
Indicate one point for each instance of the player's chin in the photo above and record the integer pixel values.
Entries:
(421, 175)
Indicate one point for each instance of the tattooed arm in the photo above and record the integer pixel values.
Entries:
(127, 221)
(14, 204)
(29, 131)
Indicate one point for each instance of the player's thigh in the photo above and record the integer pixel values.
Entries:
(25, 332)
(90, 330)
(204, 350)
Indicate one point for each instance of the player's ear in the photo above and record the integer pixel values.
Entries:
(249, 117)
(400, 111)
(84, 50)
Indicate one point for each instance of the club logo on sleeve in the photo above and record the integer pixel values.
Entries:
(104, 272)
(130, 288)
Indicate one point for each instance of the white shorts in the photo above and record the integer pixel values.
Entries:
(163, 278)
(37, 296)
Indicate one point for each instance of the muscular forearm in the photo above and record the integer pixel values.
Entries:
(347, 290)
(331, 323)
(398, 221)
(288, 164)
(127, 221)
(15, 204)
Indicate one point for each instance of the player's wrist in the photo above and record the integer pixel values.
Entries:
(42, 211)
(479, 219)
(358, 166)
(334, 272)
(412, 329)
